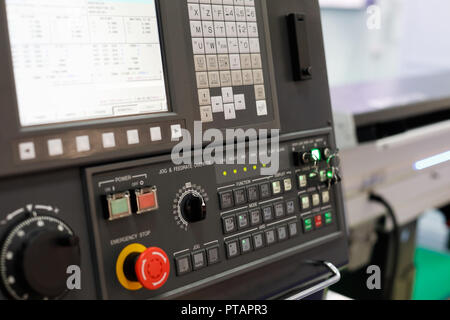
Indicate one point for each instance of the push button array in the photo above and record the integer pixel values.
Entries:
(310, 201)
(259, 240)
(257, 216)
(197, 260)
(318, 221)
(227, 55)
(254, 193)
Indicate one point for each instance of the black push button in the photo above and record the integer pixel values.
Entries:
(293, 229)
(232, 249)
(229, 224)
(267, 214)
(255, 217)
(240, 197)
(271, 237)
(199, 260)
(246, 245)
(279, 210)
(252, 194)
(226, 200)
(242, 220)
(183, 265)
(290, 207)
(258, 241)
(213, 255)
(264, 190)
(282, 233)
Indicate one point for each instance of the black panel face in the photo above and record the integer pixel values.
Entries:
(250, 220)
(142, 227)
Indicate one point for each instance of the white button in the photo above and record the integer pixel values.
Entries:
(261, 108)
(217, 104)
(133, 137)
(227, 94)
(206, 114)
(229, 111)
(155, 134)
(109, 141)
(83, 144)
(55, 147)
(219, 29)
(176, 132)
(196, 29)
(27, 151)
(239, 101)
(254, 45)
(194, 11)
(206, 11)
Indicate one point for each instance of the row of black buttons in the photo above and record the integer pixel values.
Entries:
(257, 216)
(197, 260)
(261, 239)
(253, 193)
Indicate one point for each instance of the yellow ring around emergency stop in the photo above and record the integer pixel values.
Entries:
(127, 284)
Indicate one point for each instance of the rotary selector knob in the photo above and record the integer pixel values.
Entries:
(193, 207)
(35, 258)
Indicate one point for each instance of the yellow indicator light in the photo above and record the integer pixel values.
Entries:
(235, 171)
(245, 169)
(264, 165)
(255, 167)
(225, 173)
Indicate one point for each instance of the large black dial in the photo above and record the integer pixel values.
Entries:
(193, 207)
(35, 258)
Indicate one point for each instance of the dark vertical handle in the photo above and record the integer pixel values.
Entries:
(298, 37)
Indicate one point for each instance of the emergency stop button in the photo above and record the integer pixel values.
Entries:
(152, 268)
(138, 267)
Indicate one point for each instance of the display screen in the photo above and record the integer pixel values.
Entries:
(78, 60)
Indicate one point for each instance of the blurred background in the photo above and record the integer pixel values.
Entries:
(389, 72)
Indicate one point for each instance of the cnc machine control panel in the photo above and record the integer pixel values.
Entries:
(98, 96)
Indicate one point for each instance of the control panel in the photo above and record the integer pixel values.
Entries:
(97, 96)
(162, 229)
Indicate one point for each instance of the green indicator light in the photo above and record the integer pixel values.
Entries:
(119, 207)
(328, 218)
(330, 174)
(316, 154)
(312, 175)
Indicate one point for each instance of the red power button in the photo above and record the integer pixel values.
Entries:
(152, 268)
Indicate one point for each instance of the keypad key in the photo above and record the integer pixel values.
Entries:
(279, 210)
(246, 245)
(252, 193)
(226, 200)
(240, 197)
(229, 224)
(258, 241)
(267, 214)
(282, 233)
(290, 207)
(232, 249)
(293, 229)
(270, 236)
(243, 221)
(255, 217)
(264, 191)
